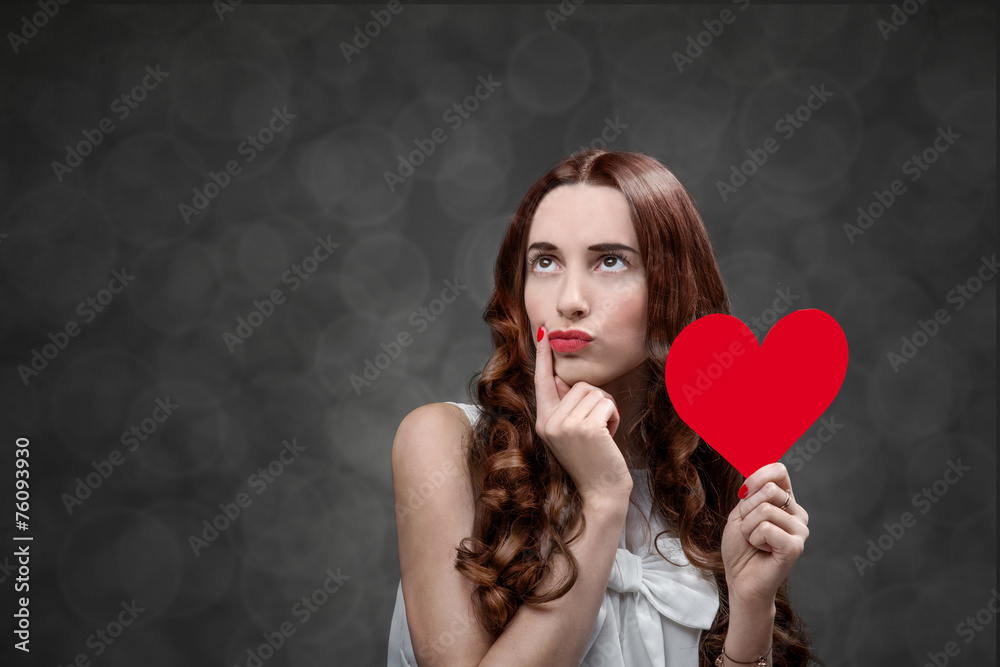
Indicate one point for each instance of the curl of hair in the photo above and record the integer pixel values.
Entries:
(527, 508)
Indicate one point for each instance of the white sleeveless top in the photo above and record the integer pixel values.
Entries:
(653, 611)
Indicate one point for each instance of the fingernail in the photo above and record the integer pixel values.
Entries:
(539, 334)
(743, 492)
(619, 413)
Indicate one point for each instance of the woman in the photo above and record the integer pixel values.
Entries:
(573, 516)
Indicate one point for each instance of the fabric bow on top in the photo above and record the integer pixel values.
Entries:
(651, 587)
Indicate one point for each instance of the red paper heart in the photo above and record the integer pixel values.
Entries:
(751, 403)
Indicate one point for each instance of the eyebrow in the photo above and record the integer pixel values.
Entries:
(597, 247)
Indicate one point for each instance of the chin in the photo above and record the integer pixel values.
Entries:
(571, 377)
(598, 377)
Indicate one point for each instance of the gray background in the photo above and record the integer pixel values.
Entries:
(323, 176)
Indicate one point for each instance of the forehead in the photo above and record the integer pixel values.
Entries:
(584, 214)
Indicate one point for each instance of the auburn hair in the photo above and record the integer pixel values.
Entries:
(526, 507)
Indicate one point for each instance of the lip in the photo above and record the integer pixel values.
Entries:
(566, 345)
(570, 334)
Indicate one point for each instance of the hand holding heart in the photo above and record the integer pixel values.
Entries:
(761, 541)
(751, 403)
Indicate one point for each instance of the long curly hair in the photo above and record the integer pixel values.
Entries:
(527, 508)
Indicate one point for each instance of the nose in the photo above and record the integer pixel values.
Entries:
(572, 304)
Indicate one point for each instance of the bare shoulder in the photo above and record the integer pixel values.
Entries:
(436, 431)
(434, 513)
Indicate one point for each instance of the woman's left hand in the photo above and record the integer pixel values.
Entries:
(761, 541)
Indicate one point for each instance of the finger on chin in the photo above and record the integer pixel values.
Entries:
(546, 392)
(561, 387)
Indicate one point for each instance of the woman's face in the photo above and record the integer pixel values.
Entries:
(575, 281)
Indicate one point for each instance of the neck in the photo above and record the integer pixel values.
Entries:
(628, 392)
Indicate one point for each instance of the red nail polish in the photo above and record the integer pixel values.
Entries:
(539, 334)
(619, 413)
(743, 492)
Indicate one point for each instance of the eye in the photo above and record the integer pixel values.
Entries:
(612, 258)
(540, 262)
(546, 264)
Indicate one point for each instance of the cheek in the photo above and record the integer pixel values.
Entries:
(530, 302)
(631, 308)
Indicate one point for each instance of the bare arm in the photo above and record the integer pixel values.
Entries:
(557, 632)
(764, 537)
(434, 512)
(750, 631)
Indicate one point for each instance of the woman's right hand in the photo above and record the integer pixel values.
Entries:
(578, 424)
